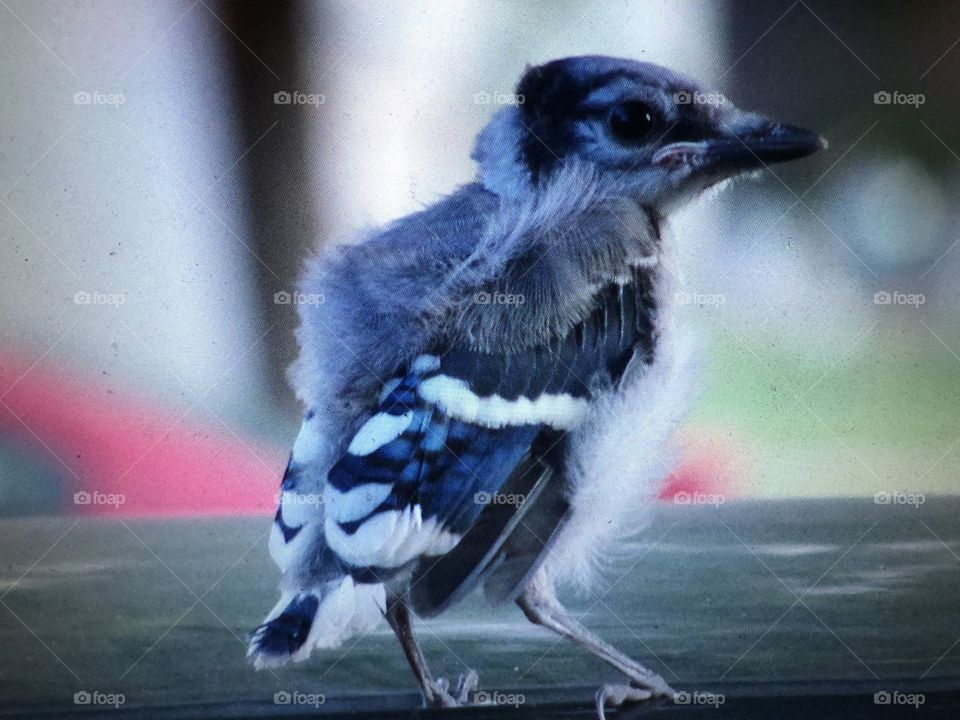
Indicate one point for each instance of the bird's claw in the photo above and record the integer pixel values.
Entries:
(437, 693)
(617, 694)
(466, 685)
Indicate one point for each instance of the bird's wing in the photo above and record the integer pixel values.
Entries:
(439, 449)
(533, 485)
(457, 447)
(462, 442)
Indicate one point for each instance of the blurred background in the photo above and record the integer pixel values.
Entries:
(157, 193)
(166, 167)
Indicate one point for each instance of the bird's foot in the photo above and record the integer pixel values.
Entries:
(437, 693)
(618, 694)
(467, 686)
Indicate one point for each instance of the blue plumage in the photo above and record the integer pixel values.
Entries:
(286, 633)
(438, 463)
(446, 455)
(289, 533)
(523, 325)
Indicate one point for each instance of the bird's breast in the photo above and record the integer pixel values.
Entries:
(622, 324)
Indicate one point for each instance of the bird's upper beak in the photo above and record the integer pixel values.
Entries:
(748, 143)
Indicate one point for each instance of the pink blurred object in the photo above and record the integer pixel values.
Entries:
(111, 447)
(712, 468)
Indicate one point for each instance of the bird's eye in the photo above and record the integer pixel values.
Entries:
(631, 122)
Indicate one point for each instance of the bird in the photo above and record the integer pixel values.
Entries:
(490, 383)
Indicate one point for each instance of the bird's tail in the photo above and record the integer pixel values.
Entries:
(323, 617)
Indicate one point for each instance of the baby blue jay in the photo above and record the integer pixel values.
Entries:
(491, 382)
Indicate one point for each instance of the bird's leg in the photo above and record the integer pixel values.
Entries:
(541, 606)
(435, 692)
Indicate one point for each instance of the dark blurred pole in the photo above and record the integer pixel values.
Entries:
(280, 208)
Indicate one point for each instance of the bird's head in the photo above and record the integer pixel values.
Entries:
(651, 133)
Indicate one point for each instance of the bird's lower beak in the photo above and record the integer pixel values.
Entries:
(742, 147)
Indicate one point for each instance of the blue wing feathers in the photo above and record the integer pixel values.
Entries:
(432, 457)
(440, 463)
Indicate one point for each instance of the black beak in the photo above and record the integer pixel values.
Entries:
(753, 147)
(748, 145)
